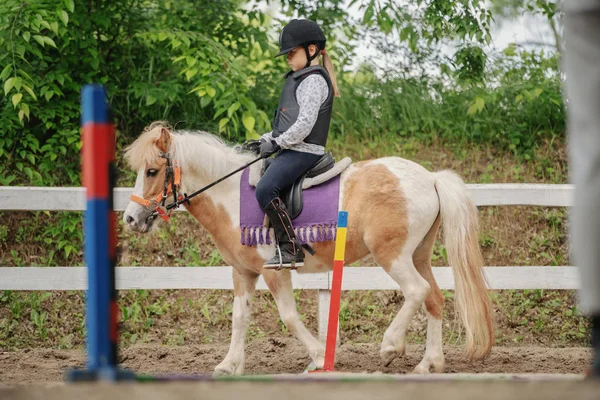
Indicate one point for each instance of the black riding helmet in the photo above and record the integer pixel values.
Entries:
(301, 32)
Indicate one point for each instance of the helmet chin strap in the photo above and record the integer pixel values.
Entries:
(309, 58)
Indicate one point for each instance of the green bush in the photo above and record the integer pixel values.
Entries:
(517, 106)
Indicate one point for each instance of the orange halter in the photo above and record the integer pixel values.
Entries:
(172, 183)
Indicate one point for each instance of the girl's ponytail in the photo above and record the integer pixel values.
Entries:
(329, 67)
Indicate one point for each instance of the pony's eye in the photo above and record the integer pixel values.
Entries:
(151, 172)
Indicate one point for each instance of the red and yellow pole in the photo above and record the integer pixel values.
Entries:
(336, 290)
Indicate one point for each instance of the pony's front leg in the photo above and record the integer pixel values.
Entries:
(280, 285)
(244, 286)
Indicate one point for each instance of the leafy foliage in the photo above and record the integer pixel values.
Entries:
(181, 61)
(204, 65)
(516, 108)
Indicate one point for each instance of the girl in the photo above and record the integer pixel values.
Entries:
(300, 130)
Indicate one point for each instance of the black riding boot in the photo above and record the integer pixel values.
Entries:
(288, 250)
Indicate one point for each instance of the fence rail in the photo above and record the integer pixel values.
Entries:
(73, 198)
(355, 278)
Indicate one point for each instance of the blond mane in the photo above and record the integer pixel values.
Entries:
(204, 152)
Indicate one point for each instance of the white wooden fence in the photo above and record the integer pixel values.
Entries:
(355, 278)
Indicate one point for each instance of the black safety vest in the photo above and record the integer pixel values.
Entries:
(288, 108)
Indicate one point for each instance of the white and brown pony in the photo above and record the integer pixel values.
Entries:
(395, 209)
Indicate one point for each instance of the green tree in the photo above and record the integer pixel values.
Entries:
(178, 60)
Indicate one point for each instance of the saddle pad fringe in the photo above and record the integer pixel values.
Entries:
(260, 235)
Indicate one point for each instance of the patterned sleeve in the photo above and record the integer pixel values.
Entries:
(267, 136)
(310, 94)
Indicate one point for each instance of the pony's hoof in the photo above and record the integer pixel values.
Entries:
(317, 354)
(222, 372)
(228, 370)
(422, 369)
(389, 354)
(425, 366)
(319, 362)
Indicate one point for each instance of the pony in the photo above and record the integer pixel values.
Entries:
(395, 207)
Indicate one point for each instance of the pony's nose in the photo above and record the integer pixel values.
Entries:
(129, 219)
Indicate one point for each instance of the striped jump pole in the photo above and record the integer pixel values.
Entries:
(336, 290)
(100, 239)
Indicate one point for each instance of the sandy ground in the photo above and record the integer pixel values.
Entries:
(38, 374)
(274, 356)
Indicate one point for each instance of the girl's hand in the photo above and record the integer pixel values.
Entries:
(268, 147)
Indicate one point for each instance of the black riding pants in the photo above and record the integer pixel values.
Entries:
(284, 169)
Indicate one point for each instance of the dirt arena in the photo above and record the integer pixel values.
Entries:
(38, 373)
(281, 356)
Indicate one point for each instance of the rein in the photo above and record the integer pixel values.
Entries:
(172, 183)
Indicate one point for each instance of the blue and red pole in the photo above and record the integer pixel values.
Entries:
(100, 239)
(98, 177)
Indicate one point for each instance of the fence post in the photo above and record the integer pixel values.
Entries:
(324, 302)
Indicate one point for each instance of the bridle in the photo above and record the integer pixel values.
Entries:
(158, 204)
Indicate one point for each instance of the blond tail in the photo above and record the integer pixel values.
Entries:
(460, 227)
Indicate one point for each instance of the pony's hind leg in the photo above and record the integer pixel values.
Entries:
(280, 285)
(433, 307)
(244, 286)
(415, 289)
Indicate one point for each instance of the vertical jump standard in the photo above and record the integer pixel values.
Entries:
(100, 239)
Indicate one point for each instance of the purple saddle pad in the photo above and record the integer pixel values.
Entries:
(317, 222)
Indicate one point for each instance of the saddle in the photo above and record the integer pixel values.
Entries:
(322, 170)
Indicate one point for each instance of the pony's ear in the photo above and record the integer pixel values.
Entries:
(164, 140)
